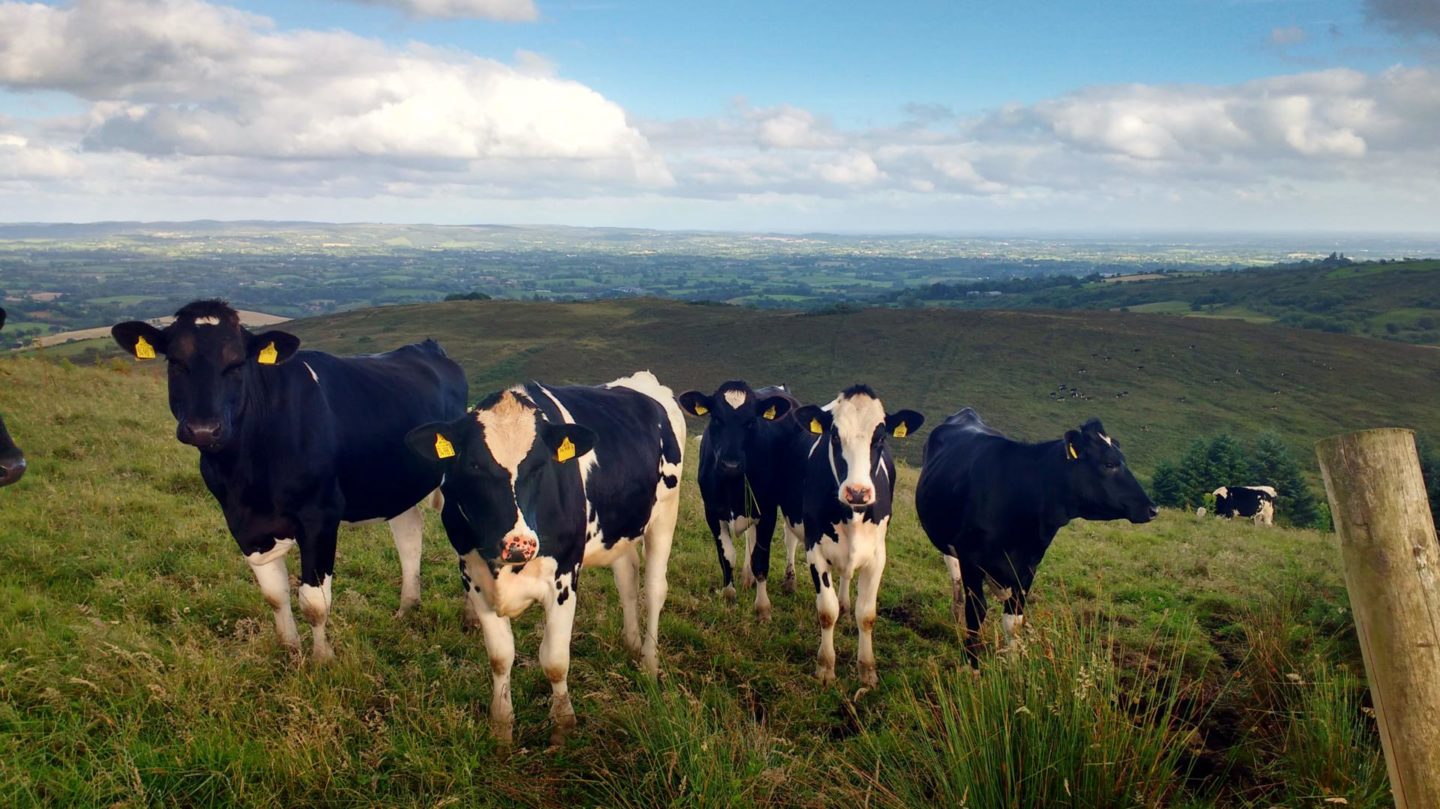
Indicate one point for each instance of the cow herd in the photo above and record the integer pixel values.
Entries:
(538, 481)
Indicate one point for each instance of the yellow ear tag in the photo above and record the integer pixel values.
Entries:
(1070, 450)
(701, 410)
(815, 426)
(443, 447)
(268, 355)
(770, 414)
(565, 451)
(901, 431)
(143, 349)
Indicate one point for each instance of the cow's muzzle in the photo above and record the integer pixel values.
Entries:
(201, 434)
(518, 549)
(858, 498)
(12, 469)
(1145, 514)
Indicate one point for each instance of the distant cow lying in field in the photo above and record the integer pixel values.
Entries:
(12, 460)
(992, 506)
(292, 443)
(540, 480)
(1255, 502)
(752, 465)
(849, 492)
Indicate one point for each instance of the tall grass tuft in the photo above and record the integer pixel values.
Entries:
(1331, 748)
(1059, 723)
(684, 749)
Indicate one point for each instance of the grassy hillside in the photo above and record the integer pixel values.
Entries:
(1183, 663)
(1157, 382)
(1397, 300)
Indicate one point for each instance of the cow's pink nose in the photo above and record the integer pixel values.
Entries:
(858, 495)
(518, 548)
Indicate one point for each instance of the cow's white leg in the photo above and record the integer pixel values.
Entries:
(315, 606)
(500, 647)
(727, 547)
(842, 589)
(659, 536)
(627, 584)
(1012, 623)
(868, 586)
(274, 581)
(555, 661)
(827, 608)
(957, 589)
(792, 542)
(747, 574)
(762, 601)
(406, 529)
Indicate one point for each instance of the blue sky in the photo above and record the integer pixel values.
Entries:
(1125, 115)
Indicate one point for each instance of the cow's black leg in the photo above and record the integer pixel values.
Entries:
(1014, 617)
(727, 568)
(760, 562)
(317, 571)
(973, 581)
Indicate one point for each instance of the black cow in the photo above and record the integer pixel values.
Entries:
(292, 443)
(992, 506)
(752, 464)
(523, 518)
(1255, 502)
(12, 460)
(848, 492)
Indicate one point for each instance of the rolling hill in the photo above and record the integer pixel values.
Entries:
(1156, 381)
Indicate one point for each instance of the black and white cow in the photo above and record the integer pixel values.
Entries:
(540, 480)
(12, 460)
(848, 493)
(993, 505)
(751, 472)
(1255, 502)
(292, 443)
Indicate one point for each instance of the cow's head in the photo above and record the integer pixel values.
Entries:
(12, 460)
(735, 413)
(853, 431)
(1102, 483)
(504, 467)
(211, 358)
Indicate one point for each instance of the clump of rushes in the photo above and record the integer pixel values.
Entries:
(1056, 723)
(696, 750)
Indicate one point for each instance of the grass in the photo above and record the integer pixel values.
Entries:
(138, 664)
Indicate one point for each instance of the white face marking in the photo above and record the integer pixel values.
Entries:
(1223, 491)
(207, 321)
(509, 435)
(313, 375)
(1106, 439)
(855, 420)
(735, 398)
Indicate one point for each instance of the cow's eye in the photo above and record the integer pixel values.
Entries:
(1112, 466)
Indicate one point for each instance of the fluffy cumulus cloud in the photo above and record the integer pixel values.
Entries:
(505, 10)
(186, 98)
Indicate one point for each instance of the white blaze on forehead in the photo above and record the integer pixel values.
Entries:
(509, 431)
(855, 420)
(1106, 439)
(735, 398)
(207, 321)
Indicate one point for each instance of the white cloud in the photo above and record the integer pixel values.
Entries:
(1288, 35)
(504, 10)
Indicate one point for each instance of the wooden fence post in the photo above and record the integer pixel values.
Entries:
(1392, 570)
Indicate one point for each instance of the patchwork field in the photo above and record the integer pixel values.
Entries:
(1181, 663)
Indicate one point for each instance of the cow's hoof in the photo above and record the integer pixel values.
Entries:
(748, 580)
(826, 676)
(650, 664)
(789, 584)
(322, 655)
(869, 677)
(728, 592)
(762, 613)
(504, 732)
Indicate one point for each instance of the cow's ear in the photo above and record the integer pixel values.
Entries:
(139, 339)
(567, 441)
(695, 403)
(435, 442)
(814, 418)
(903, 422)
(1074, 448)
(272, 347)
(773, 408)
(1093, 426)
